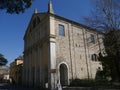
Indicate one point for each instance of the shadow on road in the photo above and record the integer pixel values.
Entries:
(7, 86)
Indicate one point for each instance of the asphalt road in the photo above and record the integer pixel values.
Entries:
(6, 86)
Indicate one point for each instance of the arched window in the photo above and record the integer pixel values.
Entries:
(36, 21)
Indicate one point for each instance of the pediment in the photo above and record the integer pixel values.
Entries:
(34, 22)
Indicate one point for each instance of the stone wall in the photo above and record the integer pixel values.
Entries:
(76, 49)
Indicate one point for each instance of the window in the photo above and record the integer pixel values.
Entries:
(61, 30)
(92, 38)
(36, 21)
(94, 57)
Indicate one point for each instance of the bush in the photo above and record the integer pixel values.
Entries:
(82, 82)
(89, 83)
(102, 82)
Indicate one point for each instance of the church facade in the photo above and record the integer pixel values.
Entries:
(56, 48)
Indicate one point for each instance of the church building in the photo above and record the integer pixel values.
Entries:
(59, 49)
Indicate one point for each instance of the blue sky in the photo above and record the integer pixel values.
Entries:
(13, 27)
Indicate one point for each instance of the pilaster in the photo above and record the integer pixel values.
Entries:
(52, 55)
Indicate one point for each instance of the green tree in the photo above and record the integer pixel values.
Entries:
(112, 47)
(15, 6)
(106, 18)
(3, 61)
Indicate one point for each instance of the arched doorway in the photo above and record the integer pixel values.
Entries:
(63, 75)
